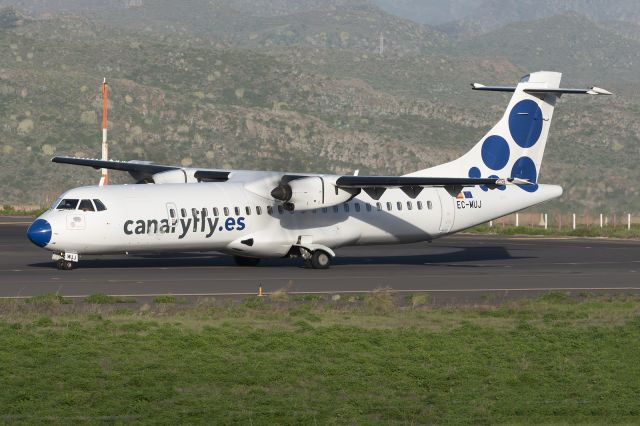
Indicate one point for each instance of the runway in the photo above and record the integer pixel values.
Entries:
(461, 267)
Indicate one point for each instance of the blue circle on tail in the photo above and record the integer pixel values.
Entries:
(495, 152)
(525, 123)
(525, 168)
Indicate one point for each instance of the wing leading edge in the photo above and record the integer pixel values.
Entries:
(143, 171)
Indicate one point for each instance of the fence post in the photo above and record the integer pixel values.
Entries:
(490, 224)
(517, 220)
(574, 221)
(629, 221)
(546, 221)
(600, 220)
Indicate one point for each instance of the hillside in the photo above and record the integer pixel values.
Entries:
(188, 98)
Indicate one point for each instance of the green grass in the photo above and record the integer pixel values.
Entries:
(103, 299)
(8, 210)
(580, 231)
(557, 359)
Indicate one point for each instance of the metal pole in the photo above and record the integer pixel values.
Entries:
(490, 224)
(517, 219)
(104, 179)
(629, 221)
(546, 221)
(574, 221)
(600, 220)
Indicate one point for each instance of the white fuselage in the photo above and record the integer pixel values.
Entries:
(230, 217)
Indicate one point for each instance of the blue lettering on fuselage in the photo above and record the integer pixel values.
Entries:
(183, 226)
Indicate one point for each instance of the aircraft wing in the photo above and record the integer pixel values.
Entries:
(401, 181)
(146, 171)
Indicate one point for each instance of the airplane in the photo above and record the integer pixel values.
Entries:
(253, 215)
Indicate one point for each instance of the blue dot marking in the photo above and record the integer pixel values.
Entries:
(495, 152)
(524, 168)
(474, 173)
(525, 123)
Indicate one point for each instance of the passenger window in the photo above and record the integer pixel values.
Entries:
(325, 210)
(68, 204)
(389, 206)
(280, 210)
(86, 206)
(269, 210)
(346, 207)
(99, 206)
(194, 212)
(429, 205)
(399, 204)
(419, 205)
(368, 207)
(215, 211)
(226, 211)
(335, 208)
(409, 206)
(205, 212)
(237, 210)
(258, 210)
(247, 209)
(357, 206)
(184, 212)
(379, 206)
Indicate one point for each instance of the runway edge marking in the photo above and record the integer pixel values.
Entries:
(354, 292)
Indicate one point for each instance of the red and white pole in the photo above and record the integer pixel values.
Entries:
(104, 179)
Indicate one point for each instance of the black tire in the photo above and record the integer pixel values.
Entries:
(246, 261)
(64, 265)
(320, 260)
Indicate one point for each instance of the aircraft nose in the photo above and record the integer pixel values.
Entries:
(39, 232)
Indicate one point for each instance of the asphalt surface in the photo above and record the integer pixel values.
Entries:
(459, 267)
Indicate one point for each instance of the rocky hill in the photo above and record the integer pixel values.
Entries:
(290, 98)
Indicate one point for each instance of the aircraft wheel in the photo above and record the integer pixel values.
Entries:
(320, 260)
(64, 265)
(246, 261)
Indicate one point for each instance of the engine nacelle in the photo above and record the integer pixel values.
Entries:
(175, 176)
(312, 192)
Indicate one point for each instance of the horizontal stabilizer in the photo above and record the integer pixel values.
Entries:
(535, 91)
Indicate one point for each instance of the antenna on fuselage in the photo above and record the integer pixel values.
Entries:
(104, 179)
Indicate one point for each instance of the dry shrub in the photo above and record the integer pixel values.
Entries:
(379, 301)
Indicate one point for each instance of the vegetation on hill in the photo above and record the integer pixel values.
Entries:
(299, 86)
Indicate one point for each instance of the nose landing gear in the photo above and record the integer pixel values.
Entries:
(64, 265)
(65, 261)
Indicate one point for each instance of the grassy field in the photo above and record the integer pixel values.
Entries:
(374, 359)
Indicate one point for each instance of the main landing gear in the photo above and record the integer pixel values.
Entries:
(315, 259)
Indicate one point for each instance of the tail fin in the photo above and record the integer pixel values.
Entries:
(514, 147)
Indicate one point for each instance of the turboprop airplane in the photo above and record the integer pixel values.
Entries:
(256, 214)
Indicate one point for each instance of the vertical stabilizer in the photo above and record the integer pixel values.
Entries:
(515, 145)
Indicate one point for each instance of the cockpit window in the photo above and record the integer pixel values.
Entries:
(68, 204)
(86, 206)
(101, 207)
